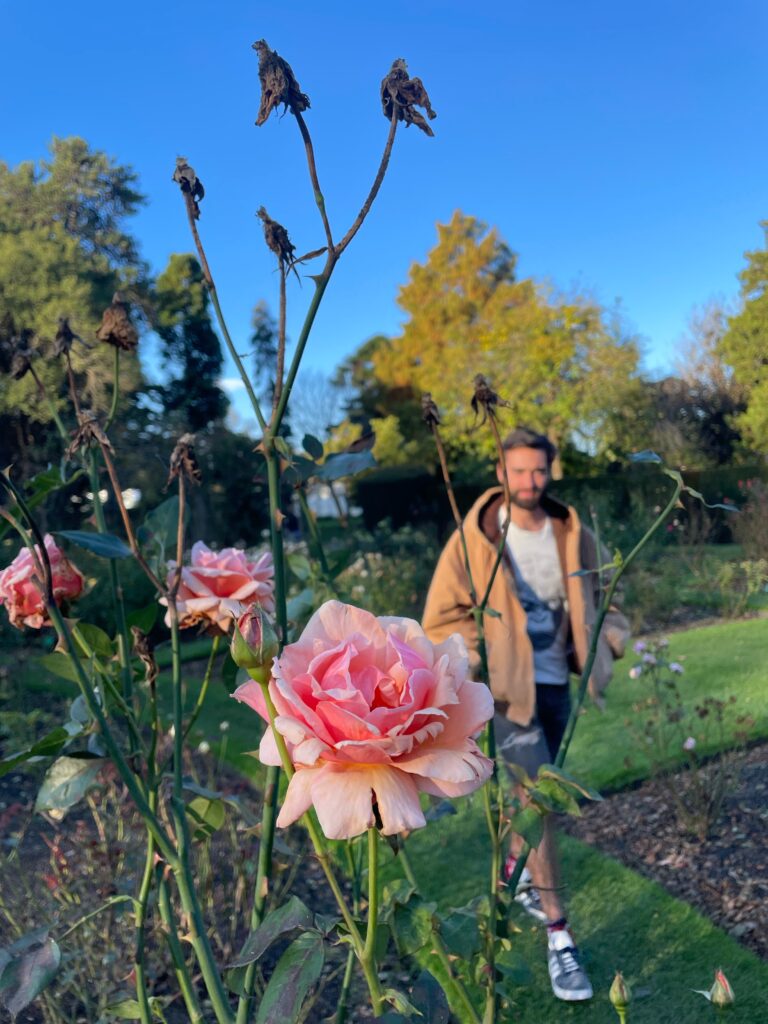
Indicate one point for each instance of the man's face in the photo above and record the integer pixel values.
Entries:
(528, 476)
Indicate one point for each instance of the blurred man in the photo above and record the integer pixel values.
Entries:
(540, 634)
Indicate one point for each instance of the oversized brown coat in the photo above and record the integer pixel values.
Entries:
(510, 655)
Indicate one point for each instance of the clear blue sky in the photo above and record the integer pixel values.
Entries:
(620, 147)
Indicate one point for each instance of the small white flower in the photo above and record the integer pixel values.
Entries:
(676, 667)
(204, 747)
(224, 726)
(172, 731)
(636, 671)
(689, 744)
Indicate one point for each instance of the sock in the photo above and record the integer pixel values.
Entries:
(560, 925)
(509, 866)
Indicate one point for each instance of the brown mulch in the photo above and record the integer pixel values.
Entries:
(725, 877)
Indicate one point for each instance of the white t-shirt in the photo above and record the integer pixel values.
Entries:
(541, 590)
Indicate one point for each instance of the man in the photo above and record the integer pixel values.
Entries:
(541, 632)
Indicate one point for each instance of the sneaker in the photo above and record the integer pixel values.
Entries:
(568, 977)
(526, 893)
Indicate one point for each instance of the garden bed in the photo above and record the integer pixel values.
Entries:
(725, 877)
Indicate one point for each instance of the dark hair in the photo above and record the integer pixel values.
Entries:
(523, 437)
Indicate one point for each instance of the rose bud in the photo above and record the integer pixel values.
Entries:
(620, 995)
(721, 993)
(254, 644)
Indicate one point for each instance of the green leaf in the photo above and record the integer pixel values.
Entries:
(289, 917)
(46, 747)
(513, 966)
(555, 796)
(301, 604)
(401, 1003)
(144, 618)
(550, 771)
(61, 665)
(297, 971)
(529, 824)
(429, 998)
(39, 487)
(398, 891)
(312, 446)
(102, 544)
(345, 464)
(300, 566)
(158, 531)
(96, 639)
(646, 456)
(208, 814)
(460, 933)
(26, 968)
(126, 1009)
(299, 471)
(66, 782)
(412, 925)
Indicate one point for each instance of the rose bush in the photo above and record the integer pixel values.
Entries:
(372, 713)
(217, 585)
(20, 591)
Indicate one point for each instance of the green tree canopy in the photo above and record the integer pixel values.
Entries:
(64, 251)
(561, 362)
(190, 347)
(744, 347)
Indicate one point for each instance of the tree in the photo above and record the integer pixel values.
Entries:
(744, 347)
(191, 348)
(64, 251)
(563, 365)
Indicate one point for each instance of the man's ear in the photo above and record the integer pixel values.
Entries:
(499, 473)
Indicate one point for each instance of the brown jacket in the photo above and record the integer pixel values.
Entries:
(510, 655)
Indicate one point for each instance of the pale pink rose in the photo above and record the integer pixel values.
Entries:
(372, 711)
(636, 671)
(20, 593)
(218, 586)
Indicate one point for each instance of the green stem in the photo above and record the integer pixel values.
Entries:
(321, 283)
(346, 985)
(317, 542)
(203, 686)
(460, 994)
(115, 392)
(93, 913)
(139, 962)
(368, 959)
(177, 954)
(405, 863)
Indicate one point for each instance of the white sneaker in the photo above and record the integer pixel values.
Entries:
(568, 977)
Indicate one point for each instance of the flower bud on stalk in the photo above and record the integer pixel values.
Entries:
(255, 644)
(721, 993)
(620, 996)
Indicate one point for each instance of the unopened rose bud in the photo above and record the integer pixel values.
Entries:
(255, 644)
(721, 993)
(620, 994)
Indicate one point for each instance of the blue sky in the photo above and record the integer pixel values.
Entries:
(618, 147)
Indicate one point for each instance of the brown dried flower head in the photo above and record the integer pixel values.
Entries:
(116, 327)
(184, 462)
(429, 411)
(144, 649)
(401, 94)
(88, 432)
(190, 185)
(65, 338)
(278, 84)
(485, 398)
(276, 237)
(21, 360)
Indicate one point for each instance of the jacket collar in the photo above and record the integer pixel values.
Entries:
(485, 512)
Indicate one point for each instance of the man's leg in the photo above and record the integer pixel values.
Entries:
(544, 866)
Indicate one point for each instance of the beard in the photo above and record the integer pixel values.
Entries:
(530, 501)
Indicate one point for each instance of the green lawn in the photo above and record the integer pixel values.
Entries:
(720, 661)
(620, 920)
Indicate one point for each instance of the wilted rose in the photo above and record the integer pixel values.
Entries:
(218, 585)
(20, 593)
(372, 713)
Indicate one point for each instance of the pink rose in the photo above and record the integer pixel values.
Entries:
(19, 591)
(218, 585)
(372, 711)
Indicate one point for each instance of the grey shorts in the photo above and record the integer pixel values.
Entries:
(536, 744)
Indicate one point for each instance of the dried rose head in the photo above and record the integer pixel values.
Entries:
(116, 328)
(401, 94)
(485, 398)
(278, 84)
(23, 354)
(276, 237)
(184, 461)
(429, 411)
(88, 432)
(65, 337)
(190, 185)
